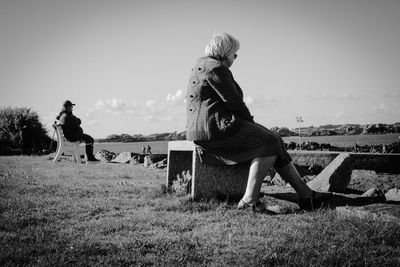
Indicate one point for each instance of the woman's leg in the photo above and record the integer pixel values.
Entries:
(290, 174)
(258, 170)
(308, 199)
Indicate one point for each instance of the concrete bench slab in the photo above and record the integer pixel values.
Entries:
(379, 211)
(229, 181)
(335, 177)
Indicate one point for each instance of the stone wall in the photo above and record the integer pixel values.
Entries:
(381, 163)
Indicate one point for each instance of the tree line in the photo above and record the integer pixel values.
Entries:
(324, 130)
(140, 138)
(340, 129)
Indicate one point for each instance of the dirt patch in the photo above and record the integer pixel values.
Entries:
(362, 180)
(285, 197)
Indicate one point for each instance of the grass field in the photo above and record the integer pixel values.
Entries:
(110, 214)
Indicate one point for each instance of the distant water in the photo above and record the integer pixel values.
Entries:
(157, 147)
(161, 147)
(348, 140)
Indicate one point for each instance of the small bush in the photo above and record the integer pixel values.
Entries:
(21, 130)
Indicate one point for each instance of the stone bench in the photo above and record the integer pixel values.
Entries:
(229, 181)
(208, 181)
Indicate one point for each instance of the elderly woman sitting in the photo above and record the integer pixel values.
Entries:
(219, 121)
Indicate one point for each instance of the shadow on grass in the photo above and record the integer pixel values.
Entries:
(186, 204)
(336, 200)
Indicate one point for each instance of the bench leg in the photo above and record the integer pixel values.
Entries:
(76, 154)
(58, 153)
(73, 150)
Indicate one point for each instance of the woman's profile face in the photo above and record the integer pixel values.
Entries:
(228, 62)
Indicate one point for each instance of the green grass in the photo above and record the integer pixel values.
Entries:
(109, 214)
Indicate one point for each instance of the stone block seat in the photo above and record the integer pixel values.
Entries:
(208, 181)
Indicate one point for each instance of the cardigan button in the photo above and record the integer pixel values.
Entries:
(199, 68)
(191, 96)
(194, 82)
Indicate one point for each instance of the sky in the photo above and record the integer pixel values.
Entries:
(126, 64)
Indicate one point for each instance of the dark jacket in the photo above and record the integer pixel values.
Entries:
(70, 125)
(215, 107)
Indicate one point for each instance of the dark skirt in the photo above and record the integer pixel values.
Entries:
(252, 141)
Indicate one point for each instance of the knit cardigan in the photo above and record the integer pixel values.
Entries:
(215, 107)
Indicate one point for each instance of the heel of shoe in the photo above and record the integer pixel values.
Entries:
(306, 203)
(256, 207)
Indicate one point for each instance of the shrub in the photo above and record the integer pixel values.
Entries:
(21, 131)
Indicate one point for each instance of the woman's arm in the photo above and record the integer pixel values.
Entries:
(221, 80)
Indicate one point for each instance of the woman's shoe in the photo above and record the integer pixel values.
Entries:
(256, 207)
(313, 202)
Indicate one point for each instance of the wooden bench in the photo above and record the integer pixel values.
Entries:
(63, 145)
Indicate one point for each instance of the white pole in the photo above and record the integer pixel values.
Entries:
(299, 120)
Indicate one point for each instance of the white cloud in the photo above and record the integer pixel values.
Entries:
(167, 110)
(344, 96)
(150, 103)
(177, 98)
(170, 109)
(117, 106)
(150, 118)
(153, 107)
(381, 107)
(392, 93)
(111, 104)
(262, 101)
(339, 114)
(169, 118)
(100, 104)
(88, 117)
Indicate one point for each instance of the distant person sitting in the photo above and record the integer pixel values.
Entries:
(73, 131)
